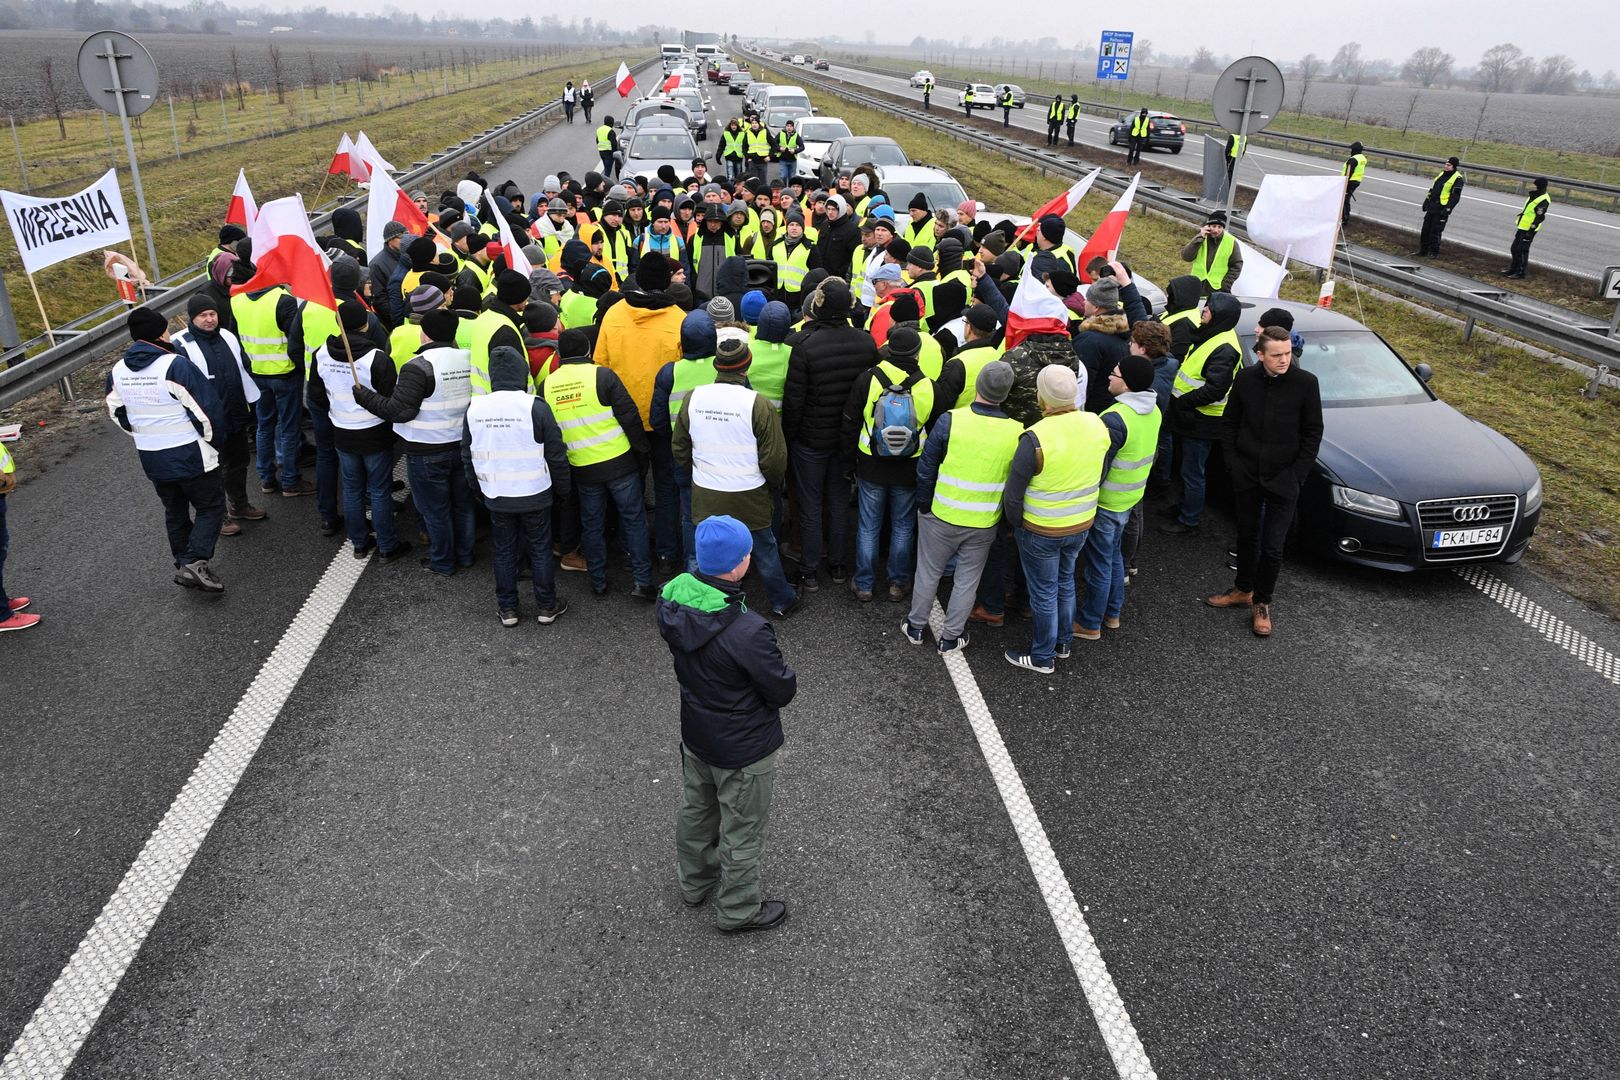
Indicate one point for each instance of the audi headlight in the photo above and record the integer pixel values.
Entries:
(1362, 502)
(1532, 498)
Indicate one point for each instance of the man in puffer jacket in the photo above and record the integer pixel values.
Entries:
(734, 683)
(1113, 306)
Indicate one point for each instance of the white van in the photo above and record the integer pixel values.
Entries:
(672, 54)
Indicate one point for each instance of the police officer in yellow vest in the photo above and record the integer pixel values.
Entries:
(500, 323)
(960, 477)
(967, 101)
(1353, 169)
(1214, 253)
(272, 338)
(1071, 116)
(1134, 420)
(1141, 128)
(1006, 106)
(1528, 225)
(1236, 145)
(928, 92)
(607, 147)
(1444, 195)
(1054, 120)
(11, 607)
(1051, 500)
(1198, 398)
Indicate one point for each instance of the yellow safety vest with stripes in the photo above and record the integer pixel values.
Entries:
(686, 376)
(1190, 376)
(480, 333)
(792, 266)
(578, 310)
(922, 399)
(604, 137)
(974, 470)
(1063, 495)
(1527, 216)
(1355, 168)
(1127, 477)
(1446, 188)
(974, 361)
(1213, 272)
(590, 430)
(8, 464)
(759, 144)
(264, 344)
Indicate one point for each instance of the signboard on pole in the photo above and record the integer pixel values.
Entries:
(48, 231)
(1114, 54)
(1611, 283)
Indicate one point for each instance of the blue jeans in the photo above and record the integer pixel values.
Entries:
(820, 481)
(444, 503)
(281, 399)
(1104, 569)
(509, 532)
(901, 504)
(667, 513)
(1049, 563)
(369, 478)
(1194, 456)
(768, 561)
(788, 169)
(327, 482)
(627, 500)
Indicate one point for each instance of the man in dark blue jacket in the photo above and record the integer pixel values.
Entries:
(734, 682)
(172, 412)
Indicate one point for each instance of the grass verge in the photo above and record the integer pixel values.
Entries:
(1536, 404)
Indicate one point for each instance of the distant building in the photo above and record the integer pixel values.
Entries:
(247, 22)
(281, 29)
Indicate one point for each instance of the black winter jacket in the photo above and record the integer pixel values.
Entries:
(733, 679)
(827, 357)
(1272, 429)
(1219, 367)
(838, 244)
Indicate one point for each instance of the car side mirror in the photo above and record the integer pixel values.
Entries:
(1424, 372)
(916, 161)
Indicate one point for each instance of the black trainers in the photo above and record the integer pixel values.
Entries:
(771, 914)
(401, 549)
(913, 634)
(644, 592)
(551, 614)
(199, 575)
(333, 527)
(838, 573)
(508, 618)
(953, 644)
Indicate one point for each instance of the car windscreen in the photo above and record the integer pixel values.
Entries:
(659, 144)
(883, 153)
(692, 101)
(1354, 367)
(790, 99)
(823, 130)
(938, 194)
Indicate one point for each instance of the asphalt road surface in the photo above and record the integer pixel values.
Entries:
(1381, 844)
(1575, 239)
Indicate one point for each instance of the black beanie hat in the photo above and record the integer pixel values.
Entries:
(573, 344)
(654, 273)
(918, 201)
(353, 316)
(1052, 228)
(1136, 371)
(144, 324)
(229, 234)
(512, 288)
(898, 249)
(1278, 317)
(905, 308)
(199, 303)
(441, 325)
(421, 252)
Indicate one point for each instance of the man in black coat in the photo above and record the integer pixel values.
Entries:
(840, 238)
(1198, 402)
(1113, 306)
(734, 683)
(1270, 432)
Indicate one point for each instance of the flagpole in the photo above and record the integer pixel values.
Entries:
(322, 189)
(66, 384)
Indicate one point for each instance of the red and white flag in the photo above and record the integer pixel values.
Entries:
(515, 259)
(347, 161)
(388, 202)
(1105, 241)
(672, 83)
(242, 209)
(1035, 309)
(369, 154)
(285, 253)
(625, 84)
(1061, 206)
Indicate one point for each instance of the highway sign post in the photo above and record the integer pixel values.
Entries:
(1247, 96)
(121, 78)
(1114, 55)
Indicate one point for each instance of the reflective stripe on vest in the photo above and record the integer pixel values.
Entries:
(1355, 168)
(438, 418)
(922, 398)
(508, 462)
(346, 413)
(1063, 494)
(590, 430)
(1214, 275)
(725, 451)
(604, 137)
(688, 375)
(974, 470)
(791, 266)
(731, 143)
(1127, 477)
(480, 333)
(616, 247)
(1190, 376)
(157, 419)
(767, 371)
(1527, 216)
(264, 343)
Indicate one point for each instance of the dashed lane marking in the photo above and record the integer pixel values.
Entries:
(1544, 622)
(1107, 1007)
(54, 1034)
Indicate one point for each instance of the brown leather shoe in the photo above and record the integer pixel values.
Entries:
(247, 513)
(983, 617)
(574, 561)
(303, 487)
(898, 593)
(1111, 624)
(1262, 620)
(1082, 634)
(1230, 598)
(230, 528)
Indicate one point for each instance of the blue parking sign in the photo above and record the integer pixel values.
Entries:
(1114, 54)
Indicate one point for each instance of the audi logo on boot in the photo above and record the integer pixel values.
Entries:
(1474, 512)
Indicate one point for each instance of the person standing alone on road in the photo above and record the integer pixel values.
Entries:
(1444, 195)
(1006, 107)
(967, 102)
(1529, 224)
(928, 92)
(734, 684)
(1139, 137)
(1355, 167)
(1271, 431)
(570, 95)
(11, 608)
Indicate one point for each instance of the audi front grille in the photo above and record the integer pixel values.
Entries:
(1472, 512)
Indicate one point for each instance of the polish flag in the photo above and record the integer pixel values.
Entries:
(672, 83)
(348, 161)
(1105, 241)
(243, 209)
(1035, 309)
(387, 202)
(515, 259)
(625, 84)
(285, 253)
(369, 154)
(1061, 206)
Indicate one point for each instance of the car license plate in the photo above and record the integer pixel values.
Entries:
(1449, 538)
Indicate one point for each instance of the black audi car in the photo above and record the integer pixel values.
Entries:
(1403, 480)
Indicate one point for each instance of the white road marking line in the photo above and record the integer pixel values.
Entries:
(1548, 625)
(54, 1034)
(1107, 1007)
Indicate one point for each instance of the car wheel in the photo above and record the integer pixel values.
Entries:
(1175, 149)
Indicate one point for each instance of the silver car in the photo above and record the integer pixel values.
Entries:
(660, 140)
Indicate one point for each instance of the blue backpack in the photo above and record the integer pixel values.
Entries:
(896, 431)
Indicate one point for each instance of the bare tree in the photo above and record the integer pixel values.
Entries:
(1498, 68)
(53, 95)
(1308, 68)
(1553, 75)
(1427, 66)
(278, 75)
(236, 77)
(1479, 124)
(1610, 80)
(314, 71)
(1347, 63)
(1142, 54)
(1203, 61)
(1350, 106)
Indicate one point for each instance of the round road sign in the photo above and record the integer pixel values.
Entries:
(137, 74)
(1232, 88)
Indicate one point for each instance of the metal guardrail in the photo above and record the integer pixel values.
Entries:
(93, 334)
(1554, 328)
(1514, 179)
